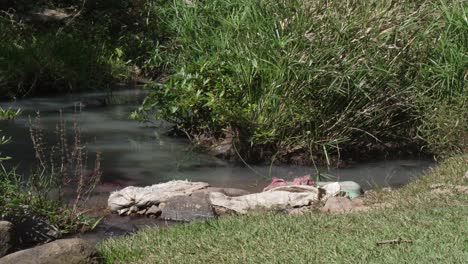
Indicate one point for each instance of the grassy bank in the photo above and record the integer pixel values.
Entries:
(297, 80)
(436, 223)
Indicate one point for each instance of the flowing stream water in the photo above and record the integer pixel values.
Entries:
(138, 154)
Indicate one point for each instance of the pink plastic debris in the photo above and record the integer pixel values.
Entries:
(276, 182)
(304, 180)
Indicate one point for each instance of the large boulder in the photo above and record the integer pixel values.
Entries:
(6, 237)
(33, 230)
(69, 251)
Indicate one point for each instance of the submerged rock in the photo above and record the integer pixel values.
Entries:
(69, 251)
(6, 237)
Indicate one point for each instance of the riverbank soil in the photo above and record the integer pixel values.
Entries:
(422, 222)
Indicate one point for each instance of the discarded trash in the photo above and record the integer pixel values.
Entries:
(394, 241)
(276, 182)
(352, 189)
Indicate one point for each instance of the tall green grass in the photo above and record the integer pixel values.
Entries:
(317, 77)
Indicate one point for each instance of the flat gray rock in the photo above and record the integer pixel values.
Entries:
(187, 208)
(68, 251)
(6, 237)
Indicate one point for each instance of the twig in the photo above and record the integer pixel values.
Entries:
(394, 241)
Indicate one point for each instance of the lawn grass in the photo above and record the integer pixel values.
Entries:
(436, 223)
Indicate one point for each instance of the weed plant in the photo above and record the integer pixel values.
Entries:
(8, 114)
(54, 192)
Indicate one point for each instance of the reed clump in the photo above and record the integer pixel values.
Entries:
(322, 79)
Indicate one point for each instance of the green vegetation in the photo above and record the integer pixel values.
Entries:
(98, 44)
(8, 114)
(436, 223)
(293, 81)
(40, 196)
(317, 78)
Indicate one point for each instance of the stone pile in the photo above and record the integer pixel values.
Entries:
(187, 201)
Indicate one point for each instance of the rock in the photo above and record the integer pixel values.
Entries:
(222, 211)
(123, 211)
(187, 208)
(34, 229)
(278, 198)
(233, 192)
(142, 212)
(69, 251)
(6, 237)
(142, 197)
(153, 210)
(338, 205)
(466, 175)
(358, 202)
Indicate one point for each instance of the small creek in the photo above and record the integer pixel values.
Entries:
(140, 155)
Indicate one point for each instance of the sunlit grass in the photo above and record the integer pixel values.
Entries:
(437, 224)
